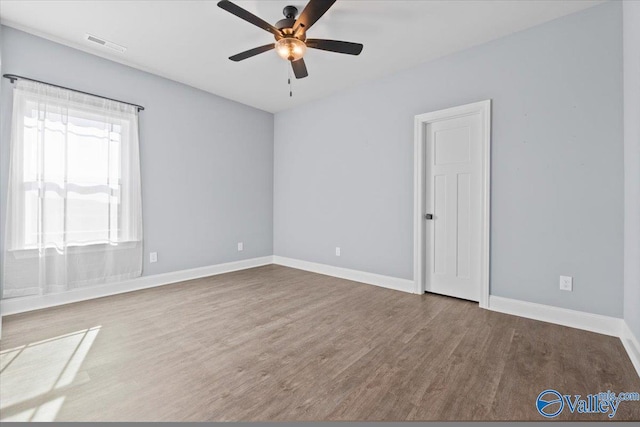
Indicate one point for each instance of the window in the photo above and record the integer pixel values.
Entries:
(74, 213)
(80, 157)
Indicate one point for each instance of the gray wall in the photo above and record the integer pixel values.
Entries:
(344, 164)
(206, 162)
(631, 31)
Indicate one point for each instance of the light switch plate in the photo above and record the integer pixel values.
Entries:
(153, 257)
(240, 246)
(337, 251)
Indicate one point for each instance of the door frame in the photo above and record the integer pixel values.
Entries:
(419, 200)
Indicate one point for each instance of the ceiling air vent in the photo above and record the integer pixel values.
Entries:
(105, 43)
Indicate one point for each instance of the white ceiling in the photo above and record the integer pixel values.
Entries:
(190, 41)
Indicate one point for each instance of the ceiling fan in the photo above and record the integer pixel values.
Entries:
(291, 34)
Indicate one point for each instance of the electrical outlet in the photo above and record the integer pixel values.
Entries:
(337, 251)
(566, 283)
(240, 246)
(153, 257)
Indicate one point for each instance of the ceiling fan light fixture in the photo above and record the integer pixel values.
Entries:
(290, 48)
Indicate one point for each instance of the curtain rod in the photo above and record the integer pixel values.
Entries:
(13, 78)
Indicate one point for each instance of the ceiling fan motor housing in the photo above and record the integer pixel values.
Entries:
(286, 25)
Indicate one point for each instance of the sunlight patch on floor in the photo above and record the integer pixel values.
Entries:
(44, 412)
(32, 377)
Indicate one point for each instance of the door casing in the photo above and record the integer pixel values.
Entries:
(483, 108)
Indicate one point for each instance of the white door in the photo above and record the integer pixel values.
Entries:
(454, 195)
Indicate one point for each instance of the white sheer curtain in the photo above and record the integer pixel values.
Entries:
(74, 215)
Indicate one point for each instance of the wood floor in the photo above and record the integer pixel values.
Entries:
(274, 343)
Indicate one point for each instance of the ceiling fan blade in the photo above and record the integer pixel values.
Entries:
(249, 17)
(311, 13)
(335, 46)
(252, 52)
(299, 68)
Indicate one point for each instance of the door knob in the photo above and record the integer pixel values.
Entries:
(428, 216)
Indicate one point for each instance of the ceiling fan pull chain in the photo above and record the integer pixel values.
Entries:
(289, 81)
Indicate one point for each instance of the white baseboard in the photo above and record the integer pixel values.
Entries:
(605, 325)
(562, 316)
(631, 344)
(388, 282)
(22, 304)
